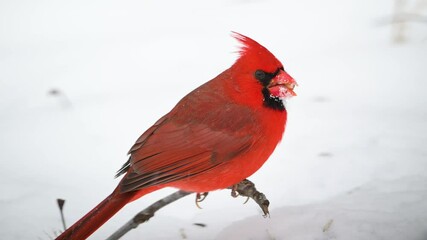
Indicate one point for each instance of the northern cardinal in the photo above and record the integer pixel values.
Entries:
(216, 136)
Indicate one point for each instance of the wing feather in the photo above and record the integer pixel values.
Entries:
(187, 142)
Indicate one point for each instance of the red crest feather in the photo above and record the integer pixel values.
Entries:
(254, 54)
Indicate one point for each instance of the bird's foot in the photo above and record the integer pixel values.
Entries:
(200, 197)
(247, 189)
(234, 192)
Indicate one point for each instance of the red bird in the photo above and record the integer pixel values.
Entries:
(219, 134)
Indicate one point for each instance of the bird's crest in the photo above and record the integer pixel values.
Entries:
(254, 54)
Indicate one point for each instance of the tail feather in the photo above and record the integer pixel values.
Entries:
(94, 219)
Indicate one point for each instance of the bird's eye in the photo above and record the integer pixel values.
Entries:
(260, 75)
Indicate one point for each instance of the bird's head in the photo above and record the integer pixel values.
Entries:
(261, 75)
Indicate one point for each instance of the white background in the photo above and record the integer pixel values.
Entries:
(355, 149)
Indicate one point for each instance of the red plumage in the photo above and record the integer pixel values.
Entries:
(216, 136)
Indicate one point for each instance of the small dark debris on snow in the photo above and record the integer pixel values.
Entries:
(320, 99)
(325, 154)
(200, 224)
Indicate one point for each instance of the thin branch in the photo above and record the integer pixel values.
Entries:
(245, 188)
(147, 213)
(61, 203)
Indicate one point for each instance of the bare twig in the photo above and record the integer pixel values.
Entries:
(245, 188)
(61, 203)
(146, 214)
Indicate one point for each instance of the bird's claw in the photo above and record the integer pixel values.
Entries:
(234, 192)
(200, 197)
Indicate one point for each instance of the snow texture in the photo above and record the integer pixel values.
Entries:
(81, 80)
(381, 210)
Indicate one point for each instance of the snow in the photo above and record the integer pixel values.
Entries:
(380, 210)
(79, 81)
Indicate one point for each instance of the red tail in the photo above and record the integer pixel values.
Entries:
(94, 219)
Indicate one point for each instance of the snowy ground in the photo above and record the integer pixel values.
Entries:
(354, 157)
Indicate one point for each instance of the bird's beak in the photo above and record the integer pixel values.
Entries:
(282, 85)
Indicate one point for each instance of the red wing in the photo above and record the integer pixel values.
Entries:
(170, 151)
